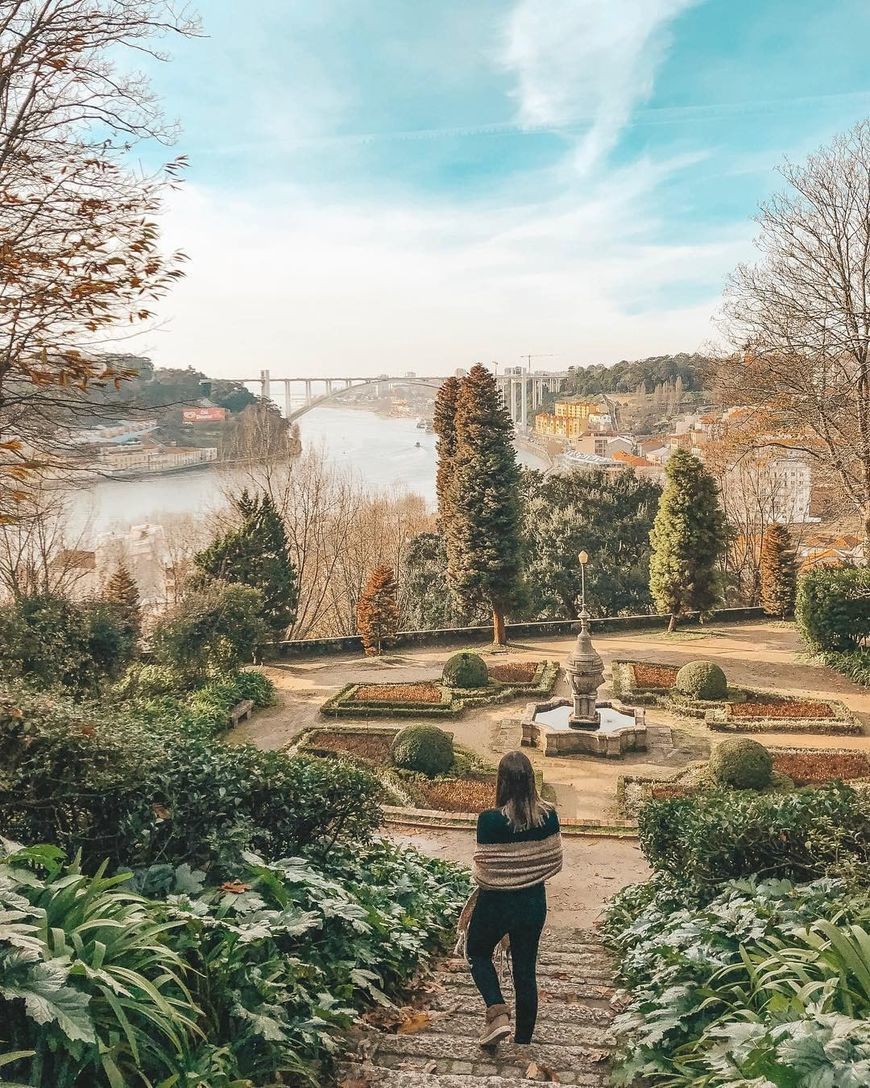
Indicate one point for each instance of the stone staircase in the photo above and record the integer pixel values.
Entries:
(435, 1044)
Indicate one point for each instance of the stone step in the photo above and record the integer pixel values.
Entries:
(572, 1025)
(366, 1076)
(551, 1007)
(548, 986)
(452, 1048)
(552, 963)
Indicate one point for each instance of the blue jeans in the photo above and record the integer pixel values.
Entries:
(520, 915)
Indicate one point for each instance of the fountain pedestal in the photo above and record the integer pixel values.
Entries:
(582, 725)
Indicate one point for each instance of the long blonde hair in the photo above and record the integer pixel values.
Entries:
(516, 793)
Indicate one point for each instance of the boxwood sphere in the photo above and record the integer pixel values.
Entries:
(465, 670)
(423, 748)
(702, 680)
(741, 763)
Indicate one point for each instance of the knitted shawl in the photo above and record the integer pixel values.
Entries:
(509, 867)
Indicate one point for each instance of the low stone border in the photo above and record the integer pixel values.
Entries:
(467, 821)
(842, 724)
(453, 702)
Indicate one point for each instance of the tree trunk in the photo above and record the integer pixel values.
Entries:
(672, 623)
(499, 637)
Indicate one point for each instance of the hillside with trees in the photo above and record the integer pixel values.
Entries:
(641, 375)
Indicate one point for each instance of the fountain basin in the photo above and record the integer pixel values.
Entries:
(620, 729)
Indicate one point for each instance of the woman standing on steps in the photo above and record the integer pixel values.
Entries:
(519, 846)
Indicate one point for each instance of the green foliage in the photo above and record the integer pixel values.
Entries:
(121, 591)
(702, 680)
(833, 608)
(741, 763)
(854, 663)
(720, 836)
(688, 538)
(423, 748)
(609, 515)
(465, 670)
(89, 980)
(247, 982)
(693, 372)
(147, 782)
(53, 642)
(480, 513)
(778, 572)
(426, 599)
(256, 553)
(765, 984)
(215, 628)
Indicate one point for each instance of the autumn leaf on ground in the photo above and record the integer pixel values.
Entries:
(417, 1021)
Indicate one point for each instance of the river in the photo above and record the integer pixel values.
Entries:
(386, 453)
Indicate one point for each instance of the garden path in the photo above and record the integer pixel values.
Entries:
(434, 1043)
(760, 655)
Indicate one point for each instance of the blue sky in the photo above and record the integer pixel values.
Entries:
(382, 185)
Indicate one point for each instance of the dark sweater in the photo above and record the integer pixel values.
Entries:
(493, 827)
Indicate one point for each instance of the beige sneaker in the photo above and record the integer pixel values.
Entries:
(498, 1025)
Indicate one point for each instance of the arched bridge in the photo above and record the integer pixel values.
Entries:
(521, 389)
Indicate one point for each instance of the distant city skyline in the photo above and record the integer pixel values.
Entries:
(379, 186)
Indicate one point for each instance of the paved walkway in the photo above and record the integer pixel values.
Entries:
(756, 655)
(435, 1044)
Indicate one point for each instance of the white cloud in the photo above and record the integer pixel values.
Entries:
(281, 280)
(587, 61)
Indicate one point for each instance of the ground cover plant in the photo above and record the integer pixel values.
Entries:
(459, 688)
(833, 616)
(746, 958)
(129, 979)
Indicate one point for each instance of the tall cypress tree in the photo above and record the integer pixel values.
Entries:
(482, 501)
(121, 590)
(778, 572)
(256, 553)
(688, 537)
(444, 426)
(377, 611)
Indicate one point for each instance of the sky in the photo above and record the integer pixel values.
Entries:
(378, 186)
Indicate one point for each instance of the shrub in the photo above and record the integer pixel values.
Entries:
(377, 611)
(214, 629)
(147, 681)
(423, 748)
(149, 783)
(778, 572)
(833, 608)
(741, 763)
(465, 670)
(702, 680)
(721, 836)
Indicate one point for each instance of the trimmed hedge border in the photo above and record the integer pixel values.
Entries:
(454, 700)
(462, 636)
(842, 724)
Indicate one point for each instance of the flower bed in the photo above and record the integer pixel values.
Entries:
(468, 787)
(398, 693)
(763, 712)
(786, 708)
(652, 677)
(432, 699)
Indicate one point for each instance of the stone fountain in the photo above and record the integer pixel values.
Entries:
(582, 725)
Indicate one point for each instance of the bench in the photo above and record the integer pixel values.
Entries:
(241, 711)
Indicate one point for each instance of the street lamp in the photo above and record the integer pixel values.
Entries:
(584, 559)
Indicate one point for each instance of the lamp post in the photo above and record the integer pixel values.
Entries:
(584, 559)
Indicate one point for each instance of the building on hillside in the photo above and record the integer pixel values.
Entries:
(574, 461)
(602, 445)
(569, 419)
(140, 458)
(831, 550)
(113, 434)
(642, 466)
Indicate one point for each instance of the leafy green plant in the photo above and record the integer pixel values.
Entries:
(833, 608)
(465, 670)
(702, 680)
(718, 836)
(89, 981)
(741, 763)
(423, 748)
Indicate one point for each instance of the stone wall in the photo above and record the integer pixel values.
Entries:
(466, 636)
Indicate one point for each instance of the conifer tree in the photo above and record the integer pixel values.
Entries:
(122, 592)
(255, 553)
(688, 537)
(444, 426)
(778, 572)
(377, 611)
(482, 501)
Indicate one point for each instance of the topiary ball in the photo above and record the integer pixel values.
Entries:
(465, 670)
(702, 680)
(423, 748)
(742, 764)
